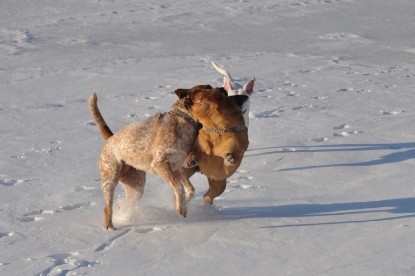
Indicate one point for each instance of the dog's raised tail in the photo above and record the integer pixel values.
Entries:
(99, 120)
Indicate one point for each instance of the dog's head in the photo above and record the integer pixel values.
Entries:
(235, 89)
(209, 105)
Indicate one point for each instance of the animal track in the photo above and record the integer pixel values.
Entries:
(319, 97)
(37, 215)
(47, 149)
(245, 186)
(339, 36)
(147, 230)
(33, 216)
(345, 133)
(241, 181)
(90, 123)
(344, 89)
(392, 112)
(299, 107)
(87, 188)
(45, 106)
(343, 126)
(292, 94)
(64, 263)
(76, 206)
(10, 182)
(144, 230)
(9, 234)
(269, 113)
(20, 156)
(319, 140)
(15, 41)
(4, 180)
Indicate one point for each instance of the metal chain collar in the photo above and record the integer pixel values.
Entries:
(224, 130)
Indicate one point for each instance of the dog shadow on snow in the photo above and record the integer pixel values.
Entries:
(335, 213)
(400, 152)
(329, 214)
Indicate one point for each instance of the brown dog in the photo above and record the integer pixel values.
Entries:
(158, 145)
(217, 175)
(218, 152)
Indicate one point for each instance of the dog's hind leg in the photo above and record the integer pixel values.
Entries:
(110, 176)
(164, 170)
(108, 188)
(133, 182)
(216, 188)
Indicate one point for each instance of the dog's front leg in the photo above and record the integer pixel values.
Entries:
(164, 170)
(188, 187)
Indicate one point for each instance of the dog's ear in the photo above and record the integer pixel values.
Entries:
(200, 87)
(223, 91)
(181, 93)
(249, 87)
(228, 85)
(239, 99)
(185, 93)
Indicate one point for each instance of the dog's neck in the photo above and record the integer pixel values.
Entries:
(217, 124)
(186, 116)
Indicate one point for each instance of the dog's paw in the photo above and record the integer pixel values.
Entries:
(229, 160)
(110, 226)
(208, 200)
(182, 211)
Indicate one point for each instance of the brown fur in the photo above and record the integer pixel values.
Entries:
(158, 145)
(211, 151)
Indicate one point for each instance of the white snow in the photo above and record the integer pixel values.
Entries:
(325, 188)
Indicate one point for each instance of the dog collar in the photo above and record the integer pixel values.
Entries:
(184, 115)
(224, 130)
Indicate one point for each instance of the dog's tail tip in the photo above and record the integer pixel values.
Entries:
(93, 96)
(93, 99)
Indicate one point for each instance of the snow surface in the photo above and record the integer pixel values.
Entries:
(326, 187)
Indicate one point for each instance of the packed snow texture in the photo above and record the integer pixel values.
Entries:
(325, 188)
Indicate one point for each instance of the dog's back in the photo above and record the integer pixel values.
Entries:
(154, 139)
